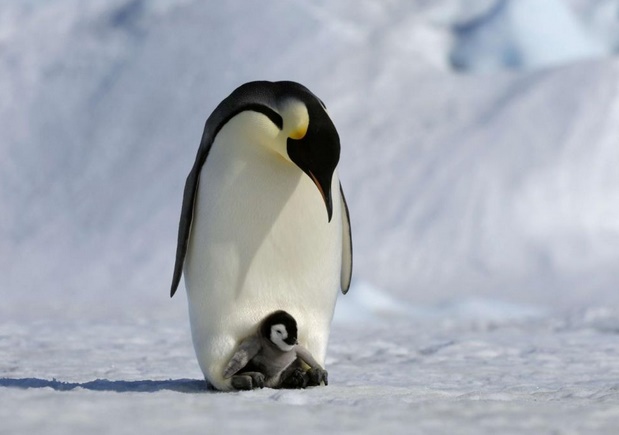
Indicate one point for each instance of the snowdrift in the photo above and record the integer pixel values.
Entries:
(500, 186)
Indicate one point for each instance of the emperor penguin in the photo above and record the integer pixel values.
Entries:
(264, 223)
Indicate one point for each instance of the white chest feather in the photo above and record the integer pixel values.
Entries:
(260, 241)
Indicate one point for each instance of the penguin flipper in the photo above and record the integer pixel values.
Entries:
(304, 355)
(346, 245)
(184, 226)
(246, 351)
(189, 200)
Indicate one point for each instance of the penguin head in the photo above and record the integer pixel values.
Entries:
(281, 329)
(290, 120)
(312, 142)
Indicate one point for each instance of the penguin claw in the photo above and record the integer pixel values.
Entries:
(316, 376)
(258, 379)
(247, 381)
(297, 378)
(241, 382)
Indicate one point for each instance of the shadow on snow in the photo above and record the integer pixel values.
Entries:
(144, 386)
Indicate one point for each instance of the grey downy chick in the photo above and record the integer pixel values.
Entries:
(272, 358)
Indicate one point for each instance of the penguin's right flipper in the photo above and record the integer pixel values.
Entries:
(246, 351)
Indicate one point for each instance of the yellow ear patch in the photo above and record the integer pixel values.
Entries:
(299, 133)
(296, 118)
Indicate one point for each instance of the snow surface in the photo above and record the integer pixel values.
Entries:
(403, 374)
(479, 160)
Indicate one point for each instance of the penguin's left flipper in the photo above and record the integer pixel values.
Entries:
(346, 272)
(248, 381)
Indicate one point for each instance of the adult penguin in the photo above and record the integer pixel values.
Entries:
(264, 224)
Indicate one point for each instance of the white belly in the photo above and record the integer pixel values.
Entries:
(260, 241)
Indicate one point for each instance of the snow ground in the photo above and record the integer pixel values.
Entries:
(455, 373)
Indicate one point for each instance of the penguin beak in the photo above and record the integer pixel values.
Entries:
(324, 187)
(317, 153)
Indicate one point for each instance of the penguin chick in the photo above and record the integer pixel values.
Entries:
(272, 356)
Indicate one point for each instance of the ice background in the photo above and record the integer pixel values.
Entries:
(479, 159)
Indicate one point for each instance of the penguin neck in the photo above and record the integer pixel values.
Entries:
(275, 347)
(269, 141)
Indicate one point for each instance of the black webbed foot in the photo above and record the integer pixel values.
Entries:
(248, 381)
(316, 376)
(295, 378)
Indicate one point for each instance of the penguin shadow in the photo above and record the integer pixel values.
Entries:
(141, 386)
